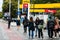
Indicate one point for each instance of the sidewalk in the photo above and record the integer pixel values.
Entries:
(14, 34)
(9, 34)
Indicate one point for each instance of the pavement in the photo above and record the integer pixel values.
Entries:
(14, 34)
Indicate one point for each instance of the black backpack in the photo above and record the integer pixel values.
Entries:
(51, 24)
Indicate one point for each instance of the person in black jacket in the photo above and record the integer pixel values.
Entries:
(25, 23)
(9, 21)
(31, 27)
(50, 27)
(40, 27)
(36, 23)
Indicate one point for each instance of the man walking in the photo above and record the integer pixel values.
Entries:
(50, 26)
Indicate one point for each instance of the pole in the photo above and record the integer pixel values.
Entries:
(33, 6)
(18, 8)
(10, 8)
(9, 15)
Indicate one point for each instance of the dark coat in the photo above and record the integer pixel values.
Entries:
(31, 26)
(50, 24)
(25, 22)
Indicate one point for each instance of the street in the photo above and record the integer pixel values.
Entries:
(14, 34)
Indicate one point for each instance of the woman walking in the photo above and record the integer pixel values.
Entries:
(18, 23)
(36, 23)
(31, 28)
(40, 27)
(56, 26)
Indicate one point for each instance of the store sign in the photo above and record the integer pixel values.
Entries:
(25, 5)
(52, 11)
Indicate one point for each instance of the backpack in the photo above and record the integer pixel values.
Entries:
(25, 22)
(51, 24)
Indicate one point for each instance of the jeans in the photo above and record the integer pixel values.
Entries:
(36, 31)
(31, 33)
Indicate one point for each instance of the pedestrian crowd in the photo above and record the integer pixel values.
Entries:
(53, 27)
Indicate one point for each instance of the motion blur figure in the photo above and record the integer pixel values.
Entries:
(25, 23)
(56, 28)
(36, 27)
(18, 23)
(9, 21)
(31, 27)
(40, 27)
(50, 27)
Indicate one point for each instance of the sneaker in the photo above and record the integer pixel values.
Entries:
(55, 37)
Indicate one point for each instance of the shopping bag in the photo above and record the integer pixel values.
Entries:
(13, 24)
(40, 26)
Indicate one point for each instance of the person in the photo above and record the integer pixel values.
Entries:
(31, 27)
(56, 26)
(18, 23)
(40, 27)
(9, 21)
(25, 23)
(59, 28)
(36, 23)
(50, 27)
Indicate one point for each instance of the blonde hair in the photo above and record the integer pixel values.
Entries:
(18, 18)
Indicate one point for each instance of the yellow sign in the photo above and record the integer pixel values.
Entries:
(37, 10)
(53, 5)
(26, 1)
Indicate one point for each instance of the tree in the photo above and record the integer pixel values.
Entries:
(14, 7)
(44, 1)
(58, 14)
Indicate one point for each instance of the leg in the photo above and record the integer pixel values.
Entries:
(49, 33)
(32, 34)
(38, 33)
(26, 29)
(8, 24)
(55, 33)
(29, 33)
(41, 33)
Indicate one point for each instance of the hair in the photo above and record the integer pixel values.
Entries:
(31, 19)
(50, 17)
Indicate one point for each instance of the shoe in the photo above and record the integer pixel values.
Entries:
(35, 35)
(50, 38)
(32, 38)
(55, 37)
(59, 35)
(42, 37)
(29, 37)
